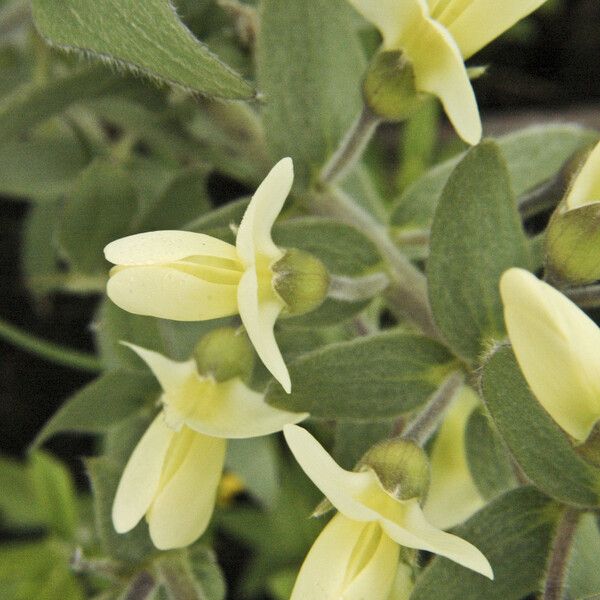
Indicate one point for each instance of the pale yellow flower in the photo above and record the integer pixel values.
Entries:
(187, 276)
(173, 474)
(453, 496)
(585, 188)
(436, 37)
(558, 349)
(356, 555)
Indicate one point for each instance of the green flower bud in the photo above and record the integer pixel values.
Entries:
(301, 280)
(224, 354)
(402, 467)
(573, 245)
(389, 87)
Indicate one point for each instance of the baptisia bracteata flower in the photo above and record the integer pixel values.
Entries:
(356, 555)
(187, 276)
(173, 474)
(558, 350)
(435, 37)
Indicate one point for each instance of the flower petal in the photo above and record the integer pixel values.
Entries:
(440, 70)
(258, 317)
(558, 349)
(184, 505)
(239, 412)
(140, 479)
(155, 247)
(478, 22)
(325, 572)
(453, 496)
(392, 18)
(586, 186)
(410, 528)
(168, 293)
(254, 233)
(341, 487)
(170, 373)
(360, 496)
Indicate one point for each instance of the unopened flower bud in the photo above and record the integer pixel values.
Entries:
(389, 87)
(224, 354)
(301, 280)
(401, 466)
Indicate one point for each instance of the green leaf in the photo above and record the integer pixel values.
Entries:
(583, 575)
(533, 155)
(537, 444)
(34, 103)
(39, 493)
(175, 339)
(476, 235)
(185, 199)
(352, 440)
(232, 138)
(191, 575)
(254, 460)
(514, 533)
(98, 210)
(41, 168)
(105, 473)
(219, 221)
(54, 493)
(342, 249)
(39, 258)
(152, 41)
(17, 505)
(98, 406)
(310, 65)
(488, 457)
(37, 570)
(369, 378)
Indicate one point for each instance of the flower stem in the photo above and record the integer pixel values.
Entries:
(357, 289)
(554, 586)
(407, 293)
(351, 147)
(52, 352)
(422, 427)
(585, 297)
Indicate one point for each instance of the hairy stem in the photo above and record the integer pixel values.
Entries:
(585, 297)
(351, 147)
(423, 426)
(407, 293)
(356, 289)
(52, 352)
(554, 586)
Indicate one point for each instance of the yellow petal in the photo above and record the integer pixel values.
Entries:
(558, 349)
(239, 412)
(168, 293)
(170, 373)
(403, 583)
(343, 488)
(453, 495)
(342, 563)
(254, 233)
(475, 23)
(407, 525)
(440, 70)
(140, 480)
(258, 316)
(157, 247)
(392, 18)
(185, 502)
(586, 186)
